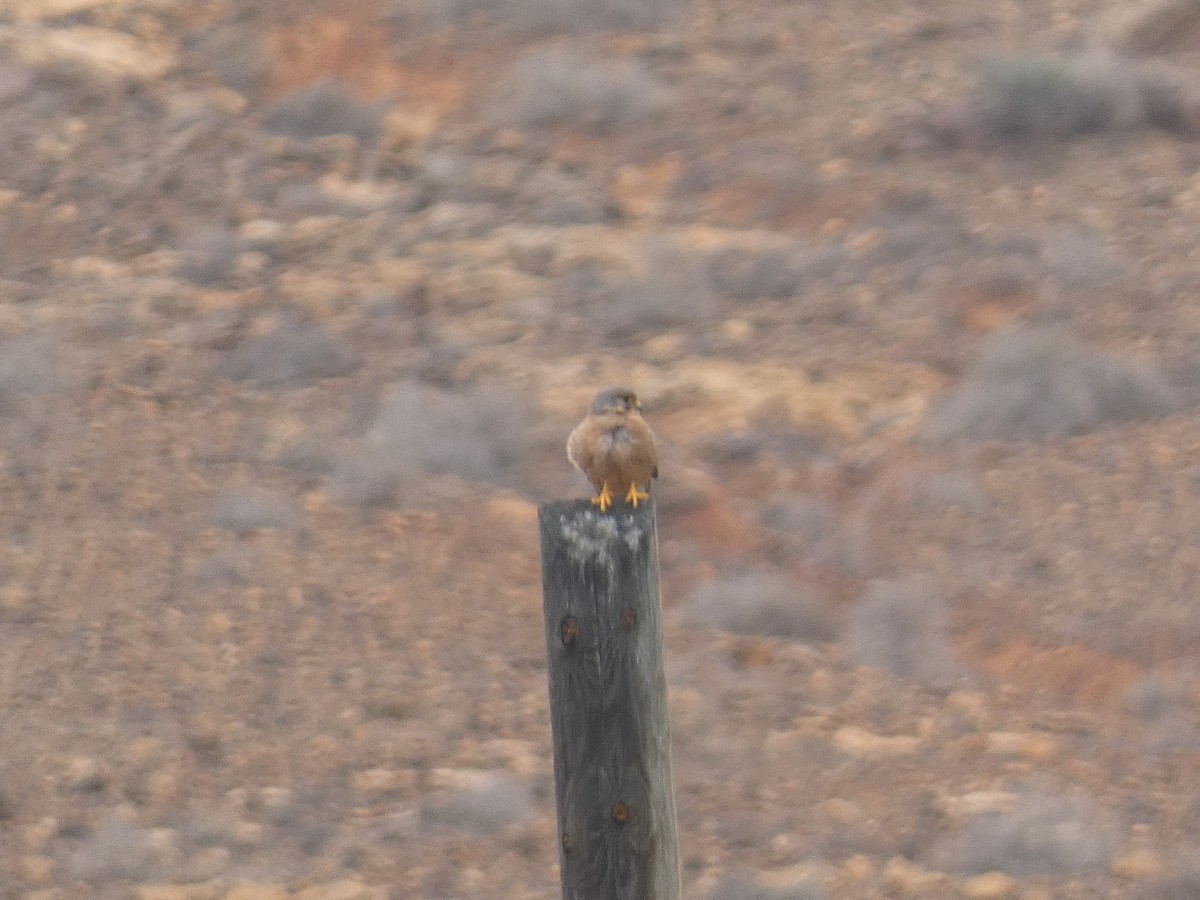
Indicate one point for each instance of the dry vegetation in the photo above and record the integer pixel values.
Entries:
(299, 300)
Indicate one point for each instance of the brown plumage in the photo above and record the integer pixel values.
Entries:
(614, 447)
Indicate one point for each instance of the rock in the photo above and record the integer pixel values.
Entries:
(1028, 745)
(841, 811)
(860, 742)
(34, 10)
(86, 775)
(38, 835)
(197, 891)
(989, 886)
(249, 890)
(108, 52)
(640, 192)
(739, 331)
(36, 869)
(1141, 863)
(377, 783)
(907, 879)
(13, 598)
(346, 889)
(976, 803)
(858, 869)
(261, 233)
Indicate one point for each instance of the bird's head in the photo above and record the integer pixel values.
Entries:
(615, 400)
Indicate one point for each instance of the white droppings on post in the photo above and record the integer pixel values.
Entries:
(633, 535)
(589, 535)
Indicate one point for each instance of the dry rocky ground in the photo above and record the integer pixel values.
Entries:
(298, 301)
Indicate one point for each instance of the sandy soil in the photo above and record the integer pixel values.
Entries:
(298, 302)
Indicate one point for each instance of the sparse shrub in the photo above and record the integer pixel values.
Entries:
(673, 289)
(1046, 834)
(234, 50)
(116, 851)
(497, 801)
(480, 435)
(545, 17)
(1179, 886)
(559, 198)
(293, 353)
(324, 108)
(770, 272)
(939, 491)
(1170, 97)
(1078, 258)
(27, 372)
(209, 255)
(556, 87)
(817, 532)
(741, 886)
(761, 603)
(1039, 382)
(1163, 706)
(1046, 97)
(245, 511)
(900, 626)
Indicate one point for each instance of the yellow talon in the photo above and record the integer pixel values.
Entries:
(604, 500)
(634, 497)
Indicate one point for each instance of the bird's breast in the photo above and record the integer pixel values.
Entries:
(616, 439)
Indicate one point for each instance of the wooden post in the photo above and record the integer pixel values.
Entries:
(608, 703)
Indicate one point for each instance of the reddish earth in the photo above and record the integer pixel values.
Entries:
(298, 302)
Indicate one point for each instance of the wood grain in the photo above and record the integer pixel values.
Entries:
(608, 705)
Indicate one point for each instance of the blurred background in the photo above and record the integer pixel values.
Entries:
(299, 301)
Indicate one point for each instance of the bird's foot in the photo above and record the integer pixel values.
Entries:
(634, 497)
(604, 499)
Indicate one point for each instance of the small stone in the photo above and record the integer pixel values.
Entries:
(275, 798)
(346, 889)
(663, 347)
(86, 775)
(841, 811)
(261, 233)
(858, 869)
(14, 597)
(163, 786)
(860, 742)
(247, 834)
(38, 835)
(737, 330)
(989, 886)
(907, 879)
(211, 862)
(976, 803)
(512, 511)
(36, 869)
(103, 50)
(1039, 747)
(218, 625)
(1138, 864)
(143, 749)
(376, 782)
(203, 891)
(640, 191)
(800, 879)
(249, 890)
(970, 704)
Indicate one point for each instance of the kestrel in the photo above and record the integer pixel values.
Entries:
(614, 447)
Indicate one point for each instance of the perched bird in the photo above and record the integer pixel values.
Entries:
(614, 447)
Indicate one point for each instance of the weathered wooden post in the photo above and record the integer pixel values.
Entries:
(608, 703)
